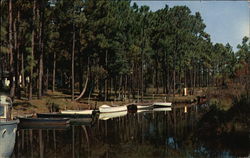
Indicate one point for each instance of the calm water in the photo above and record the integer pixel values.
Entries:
(135, 135)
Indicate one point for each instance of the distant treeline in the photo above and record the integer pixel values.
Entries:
(109, 46)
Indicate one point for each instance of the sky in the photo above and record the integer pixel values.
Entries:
(226, 21)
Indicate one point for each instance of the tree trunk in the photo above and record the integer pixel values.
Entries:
(174, 80)
(41, 44)
(185, 78)
(80, 72)
(12, 81)
(54, 72)
(84, 90)
(72, 65)
(194, 79)
(32, 51)
(22, 70)
(207, 77)
(142, 84)
(106, 80)
(168, 80)
(17, 51)
(46, 80)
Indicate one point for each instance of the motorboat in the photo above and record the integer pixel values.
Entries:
(8, 127)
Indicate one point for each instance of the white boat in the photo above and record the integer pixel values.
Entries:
(139, 107)
(108, 109)
(8, 127)
(106, 116)
(162, 104)
(163, 109)
(82, 112)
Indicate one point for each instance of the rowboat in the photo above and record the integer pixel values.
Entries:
(60, 115)
(82, 112)
(75, 119)
(109, 109)
(162, 104)
(110, 115)
(147, 106)
(43, 123)
(139, 106)
(8, 127)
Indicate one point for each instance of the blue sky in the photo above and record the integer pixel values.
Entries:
(226, 21)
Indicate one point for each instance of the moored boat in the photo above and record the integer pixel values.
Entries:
(146, 106)
(162, 104)
(8, 127)
(60, 115)
(109, 109)
(84, 112)
(139, 106)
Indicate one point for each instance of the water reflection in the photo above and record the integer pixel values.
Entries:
(144, 134)
(106, 116)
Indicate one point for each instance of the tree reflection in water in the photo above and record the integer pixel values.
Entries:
(145, 134)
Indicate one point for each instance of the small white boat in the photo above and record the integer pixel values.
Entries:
(8, 127)
(163, 109)
(162, 104)
(106, 116)
(109, 109)
(139, 106)
(82, 112)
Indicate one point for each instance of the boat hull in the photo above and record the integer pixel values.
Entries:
(142, 107)
(7, 137)
(162, 104)
(60, 115)
(111, 109)
(80, 112)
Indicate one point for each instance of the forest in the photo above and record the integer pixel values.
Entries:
(111, 48)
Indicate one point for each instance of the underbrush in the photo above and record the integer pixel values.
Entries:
(229, 129)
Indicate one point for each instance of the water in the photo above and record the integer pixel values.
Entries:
(145, 134)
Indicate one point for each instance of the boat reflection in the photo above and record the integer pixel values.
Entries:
(7, 137)
(107, 116)
(163, 109)
(43, 123)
